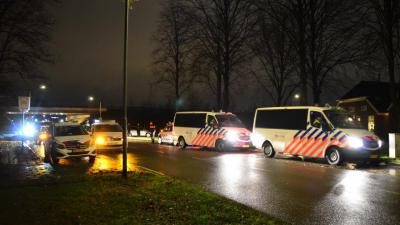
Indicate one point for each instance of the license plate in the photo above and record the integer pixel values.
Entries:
(246, 146)
(373, 156)
(77, 151)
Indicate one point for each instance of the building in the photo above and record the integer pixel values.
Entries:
(370, 102)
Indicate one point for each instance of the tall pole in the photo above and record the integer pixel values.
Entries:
(125, 97)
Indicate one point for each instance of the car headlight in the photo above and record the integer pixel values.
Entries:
(232, 136)
(100, 141)
(355, 142)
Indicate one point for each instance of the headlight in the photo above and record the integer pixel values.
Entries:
(232, 136)
(100, 141)
(355, 142)
(28, 130)
(43, 137)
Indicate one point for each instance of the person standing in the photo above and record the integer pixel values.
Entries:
(152, 127)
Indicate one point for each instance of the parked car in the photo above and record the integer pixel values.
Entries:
(107, 135)
(69, 140)
(315, 132)
(139, 132)
(165, 136)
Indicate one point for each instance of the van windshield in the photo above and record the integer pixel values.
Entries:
(342, 119)
(229, 121)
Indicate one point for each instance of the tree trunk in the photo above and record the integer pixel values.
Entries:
(219, 79)
(390, 55)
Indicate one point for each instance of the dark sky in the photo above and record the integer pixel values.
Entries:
(88, 46)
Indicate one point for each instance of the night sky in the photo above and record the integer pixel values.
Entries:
(88, 47)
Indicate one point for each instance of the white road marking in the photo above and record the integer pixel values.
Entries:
(151, 171)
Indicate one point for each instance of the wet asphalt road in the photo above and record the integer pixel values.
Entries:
(296, 192)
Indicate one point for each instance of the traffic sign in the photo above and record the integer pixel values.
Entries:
(24, 103)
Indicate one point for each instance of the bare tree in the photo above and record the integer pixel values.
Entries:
(326, 35)
(174, 45)
(276, 54)
(25, 28)
(384, 25)
(224, 29)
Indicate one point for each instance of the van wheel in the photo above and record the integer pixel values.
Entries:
(268, 150)
(54, 158)
(334, 156)
(181, 143)
(220, 145)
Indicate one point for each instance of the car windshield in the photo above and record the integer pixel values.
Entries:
(107, 128)
(69, 131)
(229, 121)
(342, 119)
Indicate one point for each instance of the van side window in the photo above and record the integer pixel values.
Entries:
(317, 120)
(288, 119)
(211, 121)
(196, 120)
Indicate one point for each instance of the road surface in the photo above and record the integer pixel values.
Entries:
(296, 192)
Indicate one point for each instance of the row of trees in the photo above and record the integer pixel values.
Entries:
(287, 45)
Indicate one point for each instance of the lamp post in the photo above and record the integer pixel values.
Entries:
(125, 96)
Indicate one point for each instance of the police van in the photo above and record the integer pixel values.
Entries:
(316, 132)
(219, 130)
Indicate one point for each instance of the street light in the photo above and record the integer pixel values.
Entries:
(297, 96)
(43, 87)
(91, 99)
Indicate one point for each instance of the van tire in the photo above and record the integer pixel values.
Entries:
(268, 150)
(54, 158)
(220, 145)
(181, 143)
(334, 156)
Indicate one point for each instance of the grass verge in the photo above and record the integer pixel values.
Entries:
(107, 199)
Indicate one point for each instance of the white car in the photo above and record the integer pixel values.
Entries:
(69, 140)
(107, 135)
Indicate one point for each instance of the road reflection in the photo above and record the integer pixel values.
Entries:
(105, 162)
(233, 172)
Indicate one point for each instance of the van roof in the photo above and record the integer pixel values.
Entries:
(198, 112)
(296, 107)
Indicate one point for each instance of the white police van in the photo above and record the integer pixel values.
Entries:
(218, 130)
(316, 132)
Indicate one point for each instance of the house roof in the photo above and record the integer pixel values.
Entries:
(378, 93)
